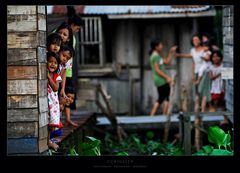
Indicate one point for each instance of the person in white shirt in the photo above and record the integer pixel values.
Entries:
(217, 87)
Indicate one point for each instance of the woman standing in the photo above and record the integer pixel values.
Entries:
(160, 77)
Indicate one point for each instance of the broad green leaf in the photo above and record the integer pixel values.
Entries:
(220, 152)
(122, 154)
(216, 135)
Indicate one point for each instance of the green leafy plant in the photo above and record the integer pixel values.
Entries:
(91, 147)
(218, 137)
(72, 152)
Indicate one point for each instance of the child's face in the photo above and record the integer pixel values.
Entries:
(70, 99)
(64, 33)
(216, 59)
(64, 56)
(52, 64)
(54, 47)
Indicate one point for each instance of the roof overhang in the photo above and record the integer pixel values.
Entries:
(208, 13)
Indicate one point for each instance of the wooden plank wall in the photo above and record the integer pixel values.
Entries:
(27, 115)
(228, 24)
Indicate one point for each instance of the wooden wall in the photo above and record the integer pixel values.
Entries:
(27, 115)
(228, 45)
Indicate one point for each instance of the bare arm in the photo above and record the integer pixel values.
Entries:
(171, 53)
(63, 83)
(213, 77)
(54, 85)
(183, 55)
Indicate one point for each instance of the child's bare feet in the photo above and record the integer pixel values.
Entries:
(53, 145)
(70, 122)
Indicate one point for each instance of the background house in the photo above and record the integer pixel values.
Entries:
(114, 44)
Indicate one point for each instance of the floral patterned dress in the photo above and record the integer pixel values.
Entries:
(53, 104)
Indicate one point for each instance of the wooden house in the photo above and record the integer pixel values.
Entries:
(112, 50)
(114, 44)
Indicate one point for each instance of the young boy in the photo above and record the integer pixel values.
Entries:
(70, 92)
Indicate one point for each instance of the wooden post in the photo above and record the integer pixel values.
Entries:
(27, 116)
(187, 134)
(169, 111)
(181, 129)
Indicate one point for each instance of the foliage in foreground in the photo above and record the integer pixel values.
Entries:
(220, 139)
(133, 145)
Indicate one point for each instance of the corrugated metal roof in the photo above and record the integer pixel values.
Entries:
(139, 9)
(142, 9)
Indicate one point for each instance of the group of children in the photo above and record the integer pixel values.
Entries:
(61, 93)
(211, 64)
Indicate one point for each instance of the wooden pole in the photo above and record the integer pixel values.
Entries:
(169, 111)
(187, 134)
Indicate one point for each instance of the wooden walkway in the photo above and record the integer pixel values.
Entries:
(158, 121)
(82, 117)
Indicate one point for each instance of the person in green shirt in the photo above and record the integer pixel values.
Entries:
(160, 77)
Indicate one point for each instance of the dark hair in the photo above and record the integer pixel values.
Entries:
(195, 35)
(54, 38)
(70, 90)
(219, 54)
(69, 48)
(76, 20)
(65, 25)
(53, 54)
(155, 42)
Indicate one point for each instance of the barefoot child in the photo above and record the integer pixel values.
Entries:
(217, 89)
(53, 102)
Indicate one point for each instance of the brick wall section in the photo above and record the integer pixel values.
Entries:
(228, 51)
(27, 115)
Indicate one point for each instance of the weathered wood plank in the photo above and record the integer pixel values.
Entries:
(29, 101)
(20, 9)
(22, 115)
(22, 23)
(29, 62)
(22, 72)
(43, 132)
(43, 119)
(42, 91)
(41, 38)
(19, 55)
(23, 39)
(41, 9)
(42, 56)
(42, 71)
(24, 145)
(43, 104)
(22, 129)
(42, 22)
(42, 145)
(22, 87)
